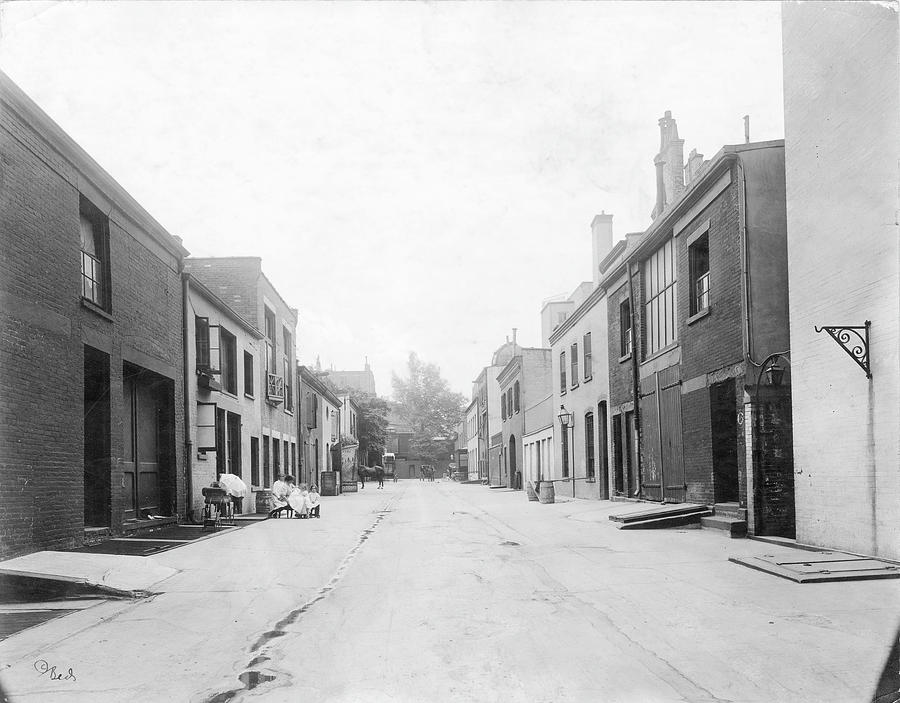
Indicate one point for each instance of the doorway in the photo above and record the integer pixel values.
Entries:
(513, 466)
(97, 473)
(724, 430)
(148, 444)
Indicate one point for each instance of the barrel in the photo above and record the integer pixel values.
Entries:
(547, 494)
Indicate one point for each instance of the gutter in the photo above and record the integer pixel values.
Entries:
(188, 445)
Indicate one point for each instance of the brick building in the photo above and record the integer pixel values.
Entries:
(695, 349)
(842, 148)
(523, 381)
(363, 381)
(92, 382)
(241, 284)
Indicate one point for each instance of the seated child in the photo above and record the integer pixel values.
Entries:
(313, 501)
(299, 501)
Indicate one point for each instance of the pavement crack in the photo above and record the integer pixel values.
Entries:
(251, 678)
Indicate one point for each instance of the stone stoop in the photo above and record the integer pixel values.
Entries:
(727, 517)
(95, 535)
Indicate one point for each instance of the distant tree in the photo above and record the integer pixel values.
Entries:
(424, 401)
(371, 425)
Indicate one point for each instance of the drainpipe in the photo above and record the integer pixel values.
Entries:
(635, 379)
(188, 445)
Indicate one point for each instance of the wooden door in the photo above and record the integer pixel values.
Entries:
(141, 450)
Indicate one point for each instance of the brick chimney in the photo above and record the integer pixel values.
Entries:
(601, 241)
(669, 164)
(693, 166)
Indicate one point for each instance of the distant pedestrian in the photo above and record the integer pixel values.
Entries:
(379, 474)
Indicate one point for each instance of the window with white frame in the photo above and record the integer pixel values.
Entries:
(574, 361)
(94, 229)
(659, 293)
(562, 372)
(625, 328)
(588, 361)
(698, 255)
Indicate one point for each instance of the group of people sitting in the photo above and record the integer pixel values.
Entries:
(290, 498)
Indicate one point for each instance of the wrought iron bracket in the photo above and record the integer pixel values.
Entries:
(854, 340)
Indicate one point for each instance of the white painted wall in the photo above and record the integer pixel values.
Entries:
(842, 148)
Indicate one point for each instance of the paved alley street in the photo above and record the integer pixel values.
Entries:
(449, 592)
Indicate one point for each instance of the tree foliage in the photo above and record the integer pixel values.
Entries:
(371, 425)
(424, 401)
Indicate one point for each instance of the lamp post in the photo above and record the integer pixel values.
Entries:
(565, 419)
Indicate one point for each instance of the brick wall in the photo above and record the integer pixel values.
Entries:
(45, 329)
(716, 340)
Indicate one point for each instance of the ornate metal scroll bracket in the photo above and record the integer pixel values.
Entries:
(854, 340)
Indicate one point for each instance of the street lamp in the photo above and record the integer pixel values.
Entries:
(565, 419)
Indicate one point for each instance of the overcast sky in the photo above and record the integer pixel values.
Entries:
(415, 176)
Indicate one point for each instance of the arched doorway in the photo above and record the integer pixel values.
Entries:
(514, 478)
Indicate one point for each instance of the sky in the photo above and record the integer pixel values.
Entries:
(415, 176)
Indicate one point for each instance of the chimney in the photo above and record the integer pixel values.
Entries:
(693, 166)
(746, 129)
(669, 164)
(601, 241)
(515, 330)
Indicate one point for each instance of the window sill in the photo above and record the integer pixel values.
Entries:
(562, 392)
(573, 387)
(698, 316)
(590, 480)
(660, 352)
(230, 394)
(96, 309)
(588, 379)
(626, 357)
(288, 412)
(250, 396)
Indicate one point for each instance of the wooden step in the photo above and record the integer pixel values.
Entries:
(660, 523)
(728, 525)
(731, 509)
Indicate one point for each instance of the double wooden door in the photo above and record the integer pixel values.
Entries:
(663, 457)
(144, 412)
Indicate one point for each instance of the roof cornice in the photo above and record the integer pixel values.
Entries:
(16, 100)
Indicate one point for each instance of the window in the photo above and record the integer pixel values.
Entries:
(516, 399)
(589, 444)
(233, 443)
(564, 447)
(276, 458)
(201, 338)
(503, 406)
(293, 455)
(625, 328)
(602, 441)
(267, 476)
(698, 254)
(94, 226)
(659, 287)
(574, 362)
(248, 373)
(562, 372)
(288, 467)
(588, 362)
(254, 461)
(271, 366)
(228, 353)
(288, 373)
